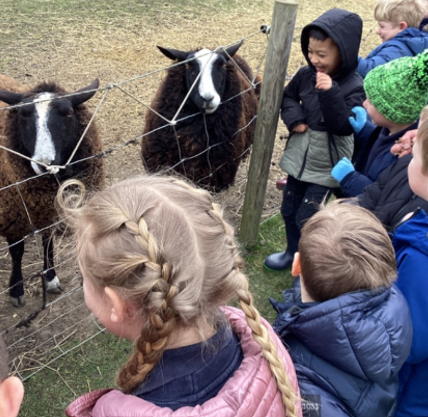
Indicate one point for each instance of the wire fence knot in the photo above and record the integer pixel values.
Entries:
(54, 169)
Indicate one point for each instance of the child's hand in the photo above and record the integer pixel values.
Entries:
(342, 169)
(324, 81)
(300, 128)
(359, 120)
(403, 146)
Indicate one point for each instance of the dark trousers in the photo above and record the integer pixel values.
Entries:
(301, 200)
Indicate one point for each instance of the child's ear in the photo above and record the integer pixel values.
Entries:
(11, 395)
(118, 309)
(296, 268)
(403, 25)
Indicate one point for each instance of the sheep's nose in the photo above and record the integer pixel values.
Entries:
(207, 99)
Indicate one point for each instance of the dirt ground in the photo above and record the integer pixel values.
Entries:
(119, 50)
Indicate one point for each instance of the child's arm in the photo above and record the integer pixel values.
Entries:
(351, 182)
(335, 108)
(354, 183)
(371, 194)
(291, 110)
(389, 52)
(363, 135)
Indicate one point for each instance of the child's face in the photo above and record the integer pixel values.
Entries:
(417, 180)
(377, 118)
(324, 55)
(387, 30)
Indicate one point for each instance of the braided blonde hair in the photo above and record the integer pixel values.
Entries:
(164, 246)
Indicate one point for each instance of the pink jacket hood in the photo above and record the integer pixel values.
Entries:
(251, 392)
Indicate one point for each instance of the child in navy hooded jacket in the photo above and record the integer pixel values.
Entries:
(347, 328)
(315, 107)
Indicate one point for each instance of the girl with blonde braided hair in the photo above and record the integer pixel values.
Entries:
(159, 266)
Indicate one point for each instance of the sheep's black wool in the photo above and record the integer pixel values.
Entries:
(205, 146)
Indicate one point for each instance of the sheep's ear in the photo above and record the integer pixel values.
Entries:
(232, 50)
(10, 98)
(174, 54)
(81, 98)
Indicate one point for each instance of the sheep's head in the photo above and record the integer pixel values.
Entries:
(46, 124)
(206, 74)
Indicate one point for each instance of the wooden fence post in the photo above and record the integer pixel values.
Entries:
(278, 53)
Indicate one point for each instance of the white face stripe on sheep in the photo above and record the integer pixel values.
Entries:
(44, 149)
(206, 59)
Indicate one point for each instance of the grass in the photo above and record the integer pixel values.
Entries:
(94, 365)
(265, 283)
(91, 366)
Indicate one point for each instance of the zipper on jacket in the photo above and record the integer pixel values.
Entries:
(303, 165)
(331, 141)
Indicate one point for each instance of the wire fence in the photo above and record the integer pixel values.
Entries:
(51, 326)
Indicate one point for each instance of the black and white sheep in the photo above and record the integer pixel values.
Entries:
(47, 130)
(215, 126)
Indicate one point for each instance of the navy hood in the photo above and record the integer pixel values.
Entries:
(348, 350)
(345, 28)
(365, 330)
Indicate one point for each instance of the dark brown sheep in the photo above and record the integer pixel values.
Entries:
(47, 131)
(215, 126)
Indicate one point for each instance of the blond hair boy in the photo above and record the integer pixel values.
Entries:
(399, 22)
(347, 328)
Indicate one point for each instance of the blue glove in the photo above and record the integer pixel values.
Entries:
(359, 120)
(342, 169)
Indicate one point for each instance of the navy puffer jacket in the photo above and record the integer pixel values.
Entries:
(347, 351)
(390, 198)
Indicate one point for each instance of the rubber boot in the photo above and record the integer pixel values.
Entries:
(283, 260)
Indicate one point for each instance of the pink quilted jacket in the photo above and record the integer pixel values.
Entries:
(251, 392)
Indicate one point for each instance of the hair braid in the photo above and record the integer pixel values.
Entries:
(259, 331)
(261, 336)
(149, 347)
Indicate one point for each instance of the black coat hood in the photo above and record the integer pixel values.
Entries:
(345, 28)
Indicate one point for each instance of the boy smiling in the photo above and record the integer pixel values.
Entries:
(315, 107)
(398, 27)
